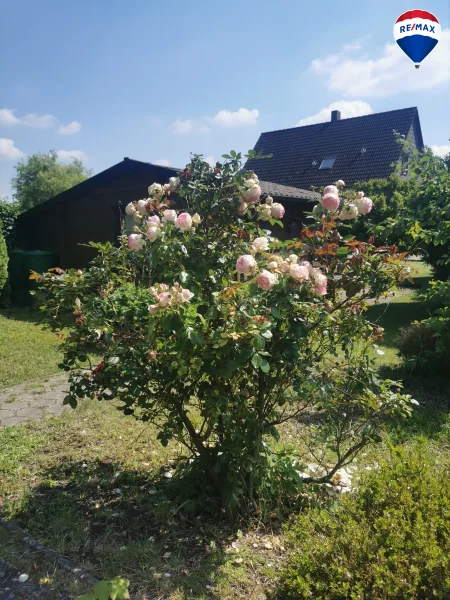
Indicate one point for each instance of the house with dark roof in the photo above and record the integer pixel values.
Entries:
(94, 209)
(355, 149)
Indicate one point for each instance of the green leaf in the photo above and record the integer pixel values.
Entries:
(343, 250)
(267, 334)
(257, 360)
(276, 312)
(259, 343)
(264, 366)
(71, 401)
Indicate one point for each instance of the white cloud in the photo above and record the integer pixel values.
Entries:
(180, 126)
(228, 118)
(70, 128)
(39, 121)
(348, 108)
(188, 126)
(386, 75)
(441, 150)
(163, 162)
(69, 155)
(8, 150)
(7, 117)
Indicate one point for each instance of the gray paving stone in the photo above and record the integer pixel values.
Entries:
(32, 403)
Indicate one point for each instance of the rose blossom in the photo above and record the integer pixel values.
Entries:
(135, 241)
(340, 183)
(174, 183)
(293, 258)
(364, 205)
(242, 208)
(307, 264)
(137, 217)
(266, 280)
(164, 298)
(169, 215)
(330, 202)
(272, 265)
(277, 210)
(245, 264)
(299, 273)
(156, 189)
(269, 200)
(155, 220)
(260, 244)
(265, 212)
(186, 294)
(153, 233)
(320, 282)
(349, 211)
(331, 189)
(130, 209)
(196, 219)
(152, 309)
(251, 194)
(183, 221)
(142, 206)
(360, 195)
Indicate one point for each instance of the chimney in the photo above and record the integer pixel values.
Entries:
(335, 115)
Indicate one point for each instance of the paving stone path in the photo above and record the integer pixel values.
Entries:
(32, 400)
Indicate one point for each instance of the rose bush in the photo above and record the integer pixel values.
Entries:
(218, 333)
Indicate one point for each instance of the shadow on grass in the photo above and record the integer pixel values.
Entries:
(110, 521)
(28, 315)
(431, 418)
(395, 315)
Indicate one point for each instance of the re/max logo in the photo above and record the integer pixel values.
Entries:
(417, 27)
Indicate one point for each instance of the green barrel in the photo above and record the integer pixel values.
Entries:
(39, 261)
(18, 278)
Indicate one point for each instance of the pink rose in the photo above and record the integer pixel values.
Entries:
(252, 194)
(277, 210)
(169, 215)
(331, 189)
(364, 205)
(164, 298)
(152, 309)
(142, 206)
(245, 264)
(155, 220)
(298, 272)
(187, 295)
(260, 244)
(135, 241)
(130, 209)
(307, 264)
(320, 282)
(360, 195)
(242, 208)
(330, 202)
(349, 212)
(183, 221)
(266, 280)
(153, 233)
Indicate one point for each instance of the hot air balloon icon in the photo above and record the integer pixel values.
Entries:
(417, 32)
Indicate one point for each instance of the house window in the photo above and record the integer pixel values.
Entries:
(327, 163)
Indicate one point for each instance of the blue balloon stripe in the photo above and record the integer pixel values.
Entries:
(417, 47)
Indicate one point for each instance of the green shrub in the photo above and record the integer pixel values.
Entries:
(415, 340)
(389, 541)
(3, 261)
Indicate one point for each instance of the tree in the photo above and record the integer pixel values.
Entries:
(218, 333)
(40, 177)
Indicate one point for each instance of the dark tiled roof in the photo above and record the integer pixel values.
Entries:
(295, 150)
(286, 191)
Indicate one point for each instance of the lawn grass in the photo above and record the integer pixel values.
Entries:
(92, 484)
(27, 351)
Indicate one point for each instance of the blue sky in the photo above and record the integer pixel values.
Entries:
(155, 80)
